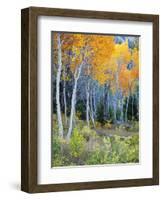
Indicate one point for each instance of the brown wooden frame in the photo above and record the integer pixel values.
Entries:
(29, 98)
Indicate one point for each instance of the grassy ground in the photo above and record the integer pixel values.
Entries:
(103, 144)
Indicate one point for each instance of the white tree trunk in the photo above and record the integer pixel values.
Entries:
(87, 103)
(94, 103)
(59, 116)
(65, 100)
(74, 117)
(73, 99)
(91, 109)
(121, 110)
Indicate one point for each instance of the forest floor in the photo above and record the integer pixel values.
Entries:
(112, 132)
(103, 144)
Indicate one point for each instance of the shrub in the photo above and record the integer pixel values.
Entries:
(101, 153)
(133, 140)
(78, 115)
(98, 124)
(57, 151)
(88, 133)
(133, 153)
(58, 161)
(125, 150)
(56, 145)
(86, 147)
(108, 125)
(77, 143)
(134, 127)
(60, 151)
(115, 150)
(107, 143)
(95, 157)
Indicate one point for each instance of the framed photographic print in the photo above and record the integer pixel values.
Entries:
(90, 99)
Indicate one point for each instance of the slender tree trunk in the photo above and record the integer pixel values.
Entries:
(91, 109)
(87, 103)
(121, 105)
(132, 107)
(137, 98)
(126, 119)
(115, 111)
(64, 97)
(106, 102)
(116, 93)
(114, 101)
(94, 103)
(59, 116)
(121, 117)
(103, 100)
(73, 99)
(74, 118)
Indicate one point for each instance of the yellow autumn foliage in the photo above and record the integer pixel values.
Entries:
(106, 61)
